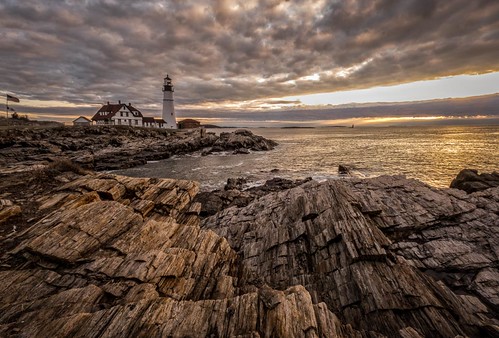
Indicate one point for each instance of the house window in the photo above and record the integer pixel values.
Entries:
(126, 114)
(121, 113)
(136, 122)
(119, 121)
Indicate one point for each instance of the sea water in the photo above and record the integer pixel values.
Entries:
(434, 155)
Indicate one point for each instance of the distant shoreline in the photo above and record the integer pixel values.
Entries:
(294, 127)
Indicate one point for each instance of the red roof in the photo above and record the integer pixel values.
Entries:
(110, 110)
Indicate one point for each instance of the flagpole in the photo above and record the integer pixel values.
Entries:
(6, 106)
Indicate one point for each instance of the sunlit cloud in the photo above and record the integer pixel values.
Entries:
(348, 71)
(244, 55)
(348, 122)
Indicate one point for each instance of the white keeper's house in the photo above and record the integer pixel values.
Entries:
(122, 114)
(119, 114)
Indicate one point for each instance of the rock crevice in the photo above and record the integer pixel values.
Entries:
(362, 247)
(113, 256)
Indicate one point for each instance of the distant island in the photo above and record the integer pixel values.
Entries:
(214, 126)
(297, 127)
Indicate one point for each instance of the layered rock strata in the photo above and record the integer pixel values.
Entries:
(112, 256)
(125, 257)
(383, 254)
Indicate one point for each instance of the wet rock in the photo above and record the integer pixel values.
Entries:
(235, 183)
(470, 181)
(243, 151)
(344, 169)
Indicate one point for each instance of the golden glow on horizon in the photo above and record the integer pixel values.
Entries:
(459, 85)
(52, 104)
(236, 122)
(404, 118)
(360, 121)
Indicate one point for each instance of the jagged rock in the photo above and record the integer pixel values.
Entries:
(111, 147)
(234, 193)
(276, 184)
(242, 139)
(235, 183)
(96, 266)
(470, 181)
(385, 254)
(117, 256)
(243, 132)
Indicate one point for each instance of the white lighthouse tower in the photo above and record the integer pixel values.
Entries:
(168, 108)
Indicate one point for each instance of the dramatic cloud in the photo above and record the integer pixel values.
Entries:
(224, 52)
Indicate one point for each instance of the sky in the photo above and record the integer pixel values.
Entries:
(64, 58)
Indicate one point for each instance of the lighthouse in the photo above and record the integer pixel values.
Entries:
(168, 108)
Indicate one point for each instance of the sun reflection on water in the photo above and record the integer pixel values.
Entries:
(432, 154)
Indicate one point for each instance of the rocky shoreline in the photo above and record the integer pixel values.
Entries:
(108, 255)
(114, 147)
(87, 254)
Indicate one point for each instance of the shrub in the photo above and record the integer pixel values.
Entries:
(64, 165)
(45, 174)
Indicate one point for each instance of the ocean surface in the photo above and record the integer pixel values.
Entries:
(434, 155)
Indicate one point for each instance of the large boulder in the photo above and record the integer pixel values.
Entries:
(243, 139)
(470, 181)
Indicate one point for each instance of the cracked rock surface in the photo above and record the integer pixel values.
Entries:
(113, 256)
(384, 254)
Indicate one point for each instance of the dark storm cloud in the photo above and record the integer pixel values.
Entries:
(98, 50)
